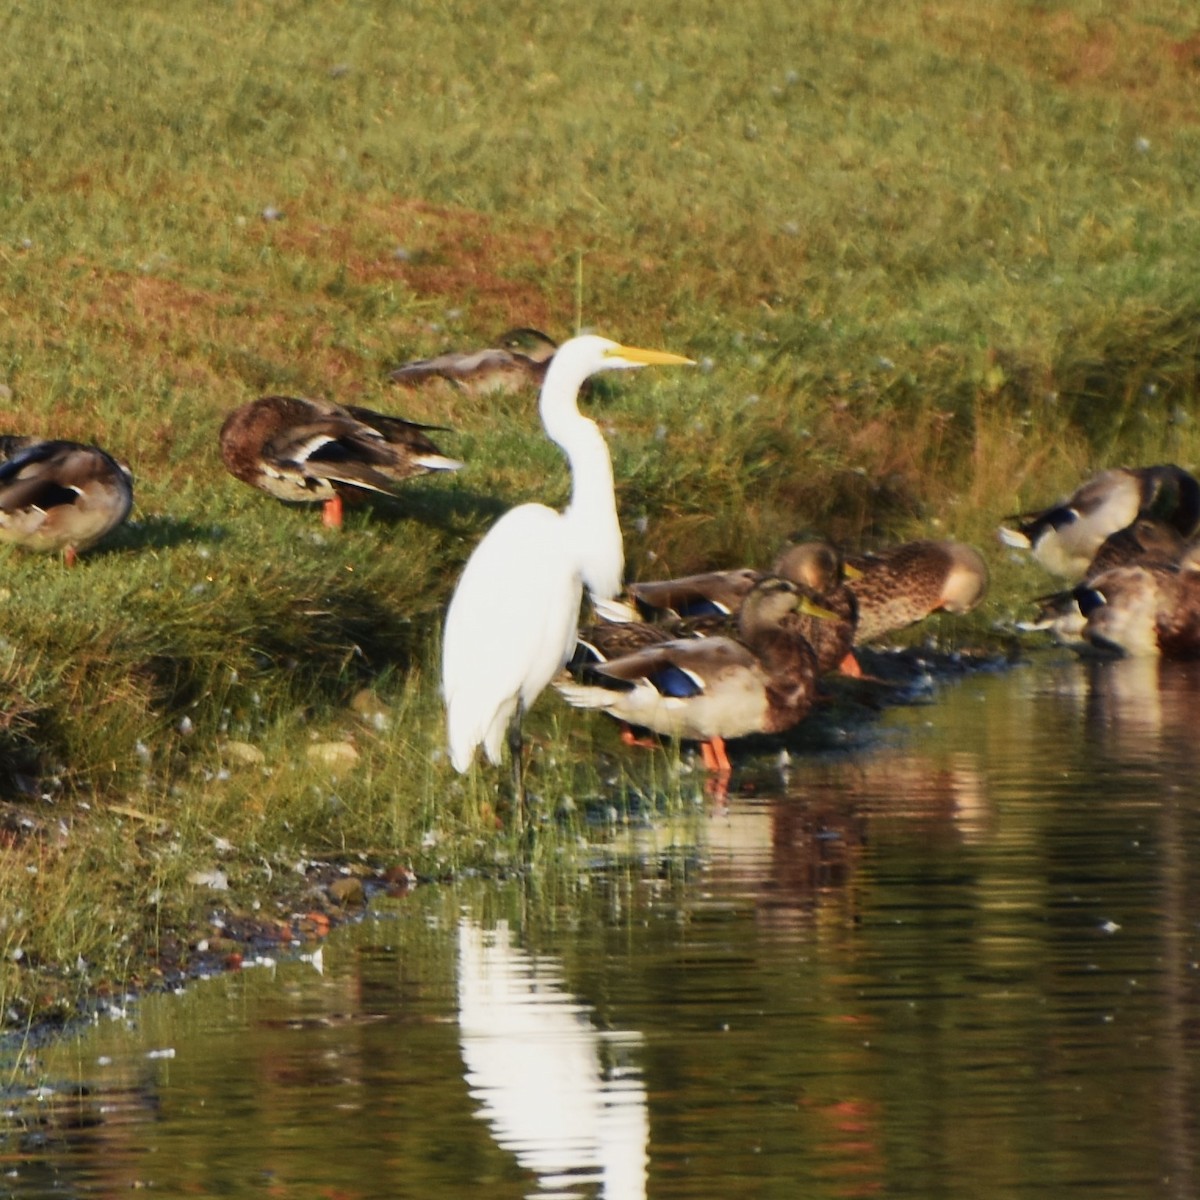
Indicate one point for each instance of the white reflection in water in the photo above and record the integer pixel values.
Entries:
(564, 1097)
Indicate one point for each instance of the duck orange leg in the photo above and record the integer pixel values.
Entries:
(331, 514)
(715, 758)
(70, 556)
(850, 666)
(631, 739)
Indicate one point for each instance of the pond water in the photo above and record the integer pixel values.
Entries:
(959, 961)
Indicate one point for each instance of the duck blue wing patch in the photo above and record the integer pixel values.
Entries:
(671, 680)
(702, 607)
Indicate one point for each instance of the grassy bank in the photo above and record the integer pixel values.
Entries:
(936, 264)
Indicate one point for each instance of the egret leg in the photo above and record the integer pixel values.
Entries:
(515, 747)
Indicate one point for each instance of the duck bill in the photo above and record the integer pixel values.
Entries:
(810, 609)
(651, 358)
(851, 572)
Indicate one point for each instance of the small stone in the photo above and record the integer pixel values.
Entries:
(242, 754)
(372, 710)
(215, 880)
(348, 892)
(332, 754)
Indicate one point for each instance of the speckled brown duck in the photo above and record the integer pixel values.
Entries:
(317, 452)
(901, 585)
(60, 496)
(518, 362)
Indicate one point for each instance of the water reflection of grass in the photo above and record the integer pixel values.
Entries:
(931, 255)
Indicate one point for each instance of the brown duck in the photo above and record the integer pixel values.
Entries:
(1146, 542)
(1145, 610)
(519, 361)
(903, 584)
(60, 495)
(315, 451)
(708, 604)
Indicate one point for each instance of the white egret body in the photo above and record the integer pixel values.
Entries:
(512, 620)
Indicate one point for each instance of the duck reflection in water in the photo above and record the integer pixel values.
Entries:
(562, 1096)
(796, 849)
(1143, 708)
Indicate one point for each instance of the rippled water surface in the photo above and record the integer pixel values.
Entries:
(962, 962)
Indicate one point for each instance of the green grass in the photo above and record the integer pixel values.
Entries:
(936, 260)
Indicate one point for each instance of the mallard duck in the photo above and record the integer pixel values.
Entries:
(1147, 541)
(706, 604)
(520, 361)
(1145, 610)
(822, 575)
(315, 451)
(814, 564)
(709, 594)
(1065, 537)
(709, 689)
(827, 620)
(59, 495)
(617, 636)
(903, 584)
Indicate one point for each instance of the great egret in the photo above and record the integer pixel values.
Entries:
(520, 361)
(710, 688)
(1065, 536)
(57, 495)
(315, 451)
(899, 585)
(513, 618)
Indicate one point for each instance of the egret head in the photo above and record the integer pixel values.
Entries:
(589, 354)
